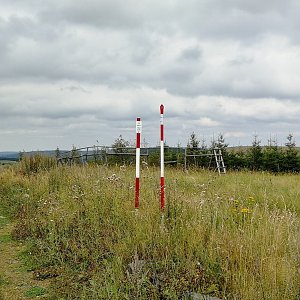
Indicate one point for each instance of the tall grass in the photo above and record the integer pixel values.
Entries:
(234, 236)
(31, 164)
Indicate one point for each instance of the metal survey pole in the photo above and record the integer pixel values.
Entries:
(162, 175)
(137, 161)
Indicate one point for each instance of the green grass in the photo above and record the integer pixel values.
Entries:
(5, 238)
(3, 281)
(3, 221)
(234, 236)
(35, 291)
(5, 161)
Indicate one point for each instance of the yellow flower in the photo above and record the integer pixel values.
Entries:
(245, 210)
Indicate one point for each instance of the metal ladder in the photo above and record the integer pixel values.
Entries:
(219, 161)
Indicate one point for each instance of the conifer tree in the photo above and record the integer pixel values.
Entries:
(272, 157)
(291, 160)
(255, 154)
(193, 142)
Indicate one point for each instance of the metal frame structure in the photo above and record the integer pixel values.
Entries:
(97, 153)
(214, 153)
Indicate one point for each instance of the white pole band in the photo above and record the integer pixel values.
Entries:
(137, 169)
(162, 159)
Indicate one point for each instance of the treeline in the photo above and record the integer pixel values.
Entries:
(271, 157)
(257, 157)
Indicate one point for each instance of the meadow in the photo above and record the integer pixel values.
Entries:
(235, 236)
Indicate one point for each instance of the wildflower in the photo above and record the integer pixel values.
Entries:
(245, 210)
(113, 177)
(235, 202)
(145, 164)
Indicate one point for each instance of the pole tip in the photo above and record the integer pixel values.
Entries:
(162, 109)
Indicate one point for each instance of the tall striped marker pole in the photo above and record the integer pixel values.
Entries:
(137, 161)
(162, 175)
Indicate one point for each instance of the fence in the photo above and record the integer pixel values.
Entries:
(178, 156)
(97, 154)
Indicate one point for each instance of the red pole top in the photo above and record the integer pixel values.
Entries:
(138, 119)
(162, 109)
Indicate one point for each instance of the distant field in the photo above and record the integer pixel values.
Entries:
(7, 162)
(234, 236)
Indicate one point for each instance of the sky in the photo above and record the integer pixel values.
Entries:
(80, 72)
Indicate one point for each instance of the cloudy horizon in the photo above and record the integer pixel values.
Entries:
(79, 73)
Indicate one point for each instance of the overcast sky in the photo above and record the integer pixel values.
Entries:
(80, 72)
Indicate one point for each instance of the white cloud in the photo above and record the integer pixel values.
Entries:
(235, 134)
(207, 122)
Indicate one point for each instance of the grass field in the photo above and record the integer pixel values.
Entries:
(234, 237)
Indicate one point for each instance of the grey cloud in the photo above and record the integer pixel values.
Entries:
(178, 75)
(50, 51)
(191, 54)
(111, 60)
(73, 88)
(107, 14)
(242, 20)
(231, 19)
(16, 27)
(257, 6)
(240, 60)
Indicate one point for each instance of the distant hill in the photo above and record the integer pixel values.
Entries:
(9, 155)
(44, 152)
(15, 156)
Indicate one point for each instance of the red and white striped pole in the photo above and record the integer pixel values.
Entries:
(137, 161)
(162, 175)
